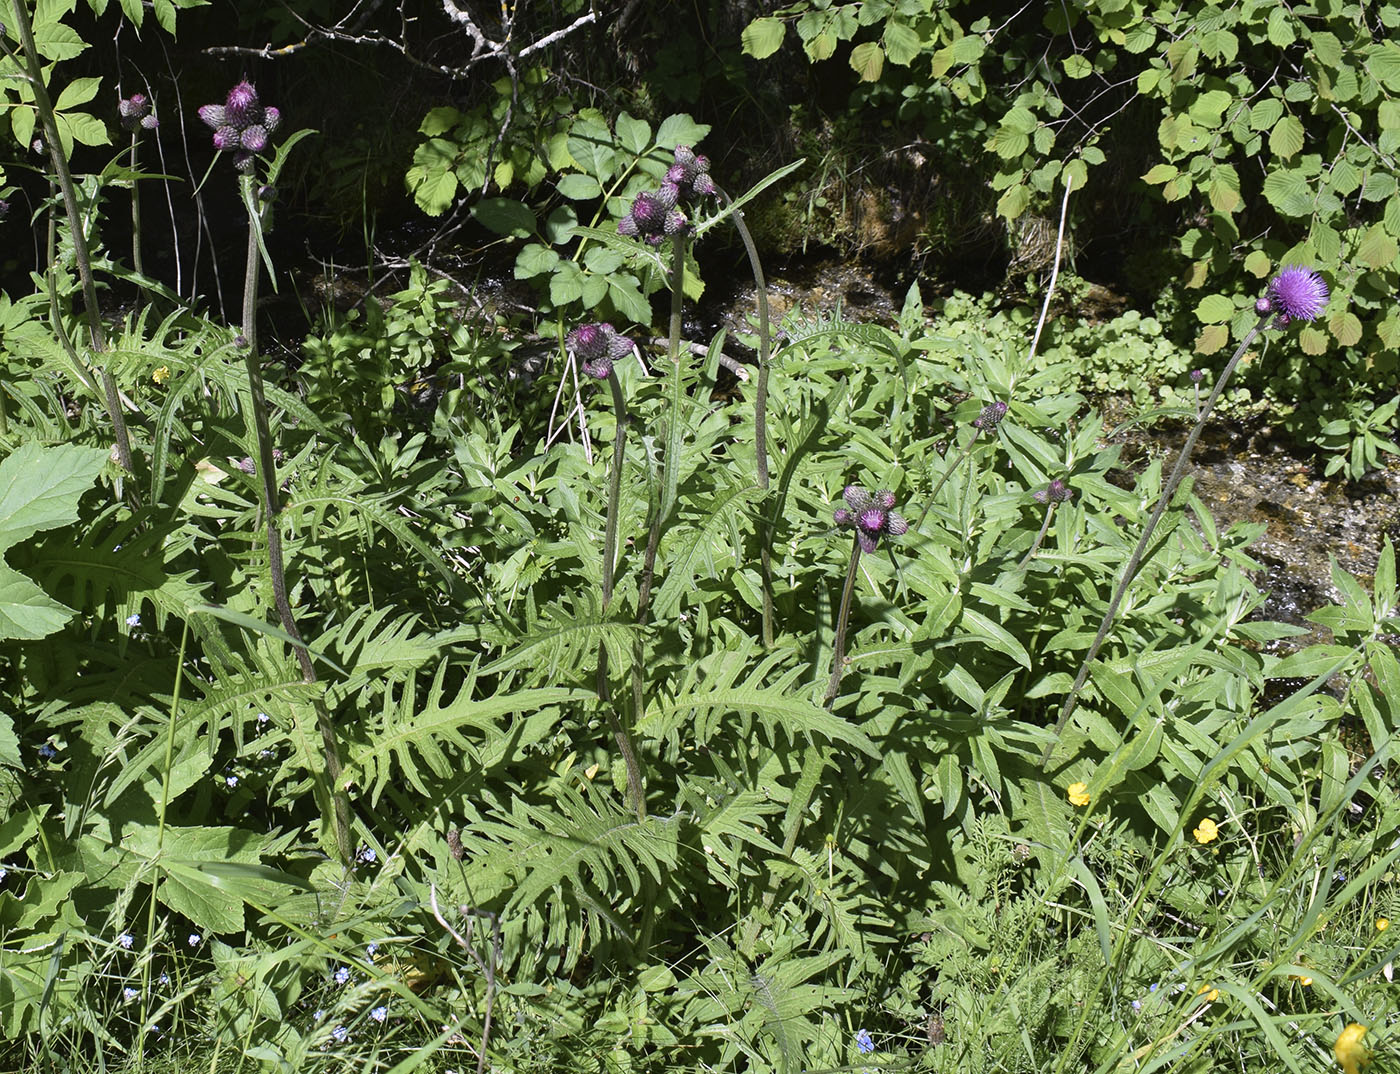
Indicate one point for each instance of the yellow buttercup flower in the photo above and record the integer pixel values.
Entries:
(161, 375)
(1350, 1052)
(1304, 981)
(1211, 994)
(1078, 794)
(1382, 923)
(1206, 831)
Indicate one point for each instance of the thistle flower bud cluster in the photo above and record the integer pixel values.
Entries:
(241, 123)
(597, 347)
(871, 515)
(135, 113)
(990, 417)
(1055, 492)
(657, 215)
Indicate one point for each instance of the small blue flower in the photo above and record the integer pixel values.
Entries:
(126, 940)
(195, 939)
(371, 949)
(163, 980)
(366, 855)
(47, 752)
(318, 1016)
(342, 975)
(379, 1013)
(863, 1042)
(1137, 1004)
(1152, 987)
(341, 1034)
(133, 620)
(4, 873)
(129, 994)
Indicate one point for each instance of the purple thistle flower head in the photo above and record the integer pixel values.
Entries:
(991, 416)
(1198, 375)
(872, 516)
(135, 112)
(872, 519)
(666, 196)
(1263, 306)
(241, 123)
(1055, 492)
(1298, 294)
(241, 105)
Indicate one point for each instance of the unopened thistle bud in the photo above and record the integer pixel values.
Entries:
(991, 416)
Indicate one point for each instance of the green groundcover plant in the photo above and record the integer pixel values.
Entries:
(425, 707)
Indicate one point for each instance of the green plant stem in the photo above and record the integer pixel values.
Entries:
(97, 337)
(962, 455)
(136, 218)
(670, 460)
(1039, 537)
(1135, 560)
(271, 506)
(760, 415)
(838, 648)
(619, 731)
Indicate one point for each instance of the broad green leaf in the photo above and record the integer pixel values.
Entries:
(9, 743)
(633, 134)
(762, 37)
(39, 490)
(1289, 191)
(868, 61)
(535, 259)
(1286, 139)
(505, 216)
(1377, 248)
(1214, 309)
(902, 42)
(1265, 113)
(680, 129)
(1076, 66)
(1345, 327)
(79, 91)
(579, 187)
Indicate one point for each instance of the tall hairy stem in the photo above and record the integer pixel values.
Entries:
(271, 507)
(760, 416)
(615, 724)
(97, 338)
(843, 617)
(670, 459)
(136, 262)
(1135, 560)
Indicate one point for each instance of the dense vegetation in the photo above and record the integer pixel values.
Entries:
(440, 684)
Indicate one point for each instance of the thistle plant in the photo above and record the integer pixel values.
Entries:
(597, 347)
(242, 124)
(1294, 294)
(872, 517)
(986, 421)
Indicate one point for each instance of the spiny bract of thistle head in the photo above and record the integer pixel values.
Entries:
(1297, 294)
